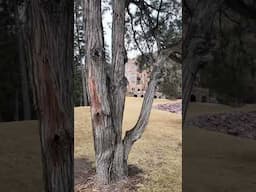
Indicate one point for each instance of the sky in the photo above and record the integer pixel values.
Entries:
(107, 19)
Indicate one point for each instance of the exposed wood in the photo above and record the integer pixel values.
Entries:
(118, 85)
(103, 132)
(107, 89)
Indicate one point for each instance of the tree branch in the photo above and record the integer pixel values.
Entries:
(136, 132)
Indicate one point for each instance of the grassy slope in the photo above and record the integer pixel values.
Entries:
(217, 162)
(20, 157)
(157, 153)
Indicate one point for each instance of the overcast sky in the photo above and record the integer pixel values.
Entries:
(107, 19)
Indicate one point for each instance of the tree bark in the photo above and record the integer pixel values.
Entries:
(20, 19)
(50, 40)
(103, 132)
(83, 76)
(27, 114)
(85, 94)
(17, 106)
(118, 86)
(136, 132)
(107, 88)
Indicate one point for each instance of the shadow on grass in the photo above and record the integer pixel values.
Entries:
(83, 170)
(85, 178)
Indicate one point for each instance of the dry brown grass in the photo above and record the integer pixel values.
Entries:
(157, 154)
(20, 157)
(217, 162)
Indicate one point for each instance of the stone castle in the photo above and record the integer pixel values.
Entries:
(137, 80)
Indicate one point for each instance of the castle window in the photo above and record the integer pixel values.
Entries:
(193, 98)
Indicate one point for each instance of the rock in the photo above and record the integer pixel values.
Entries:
(241, 124)
(170, 107)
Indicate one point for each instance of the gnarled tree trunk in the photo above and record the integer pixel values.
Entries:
(103, 132)
(50, 53)
(107, 89)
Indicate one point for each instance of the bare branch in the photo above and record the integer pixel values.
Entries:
(136, 132)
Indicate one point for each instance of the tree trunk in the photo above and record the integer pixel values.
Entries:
(103, 132)
(27, 115)
(83, 76)
(136, 132)
(50, 53)
(20, 19)
(17, 105)
(85, 93)
(107, 88)
(117, 86)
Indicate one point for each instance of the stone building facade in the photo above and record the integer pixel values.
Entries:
(137, 80)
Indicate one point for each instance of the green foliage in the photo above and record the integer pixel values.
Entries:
(154, 25)
(171, 80)
(231, 74)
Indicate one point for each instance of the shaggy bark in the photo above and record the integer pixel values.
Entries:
(50, 55)
(103, 132)
(107, 88)
(197, 43)
(136, 132)
(118, 84)
(83, 76)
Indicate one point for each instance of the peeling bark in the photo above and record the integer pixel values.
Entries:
(103, 132)
(118, 86)
(107, 89)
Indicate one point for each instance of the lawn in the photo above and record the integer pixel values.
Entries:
(20, 158)
(156, 156)
(214, 161)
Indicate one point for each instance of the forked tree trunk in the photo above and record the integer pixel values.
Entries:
(107, 89)
(50, 43)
